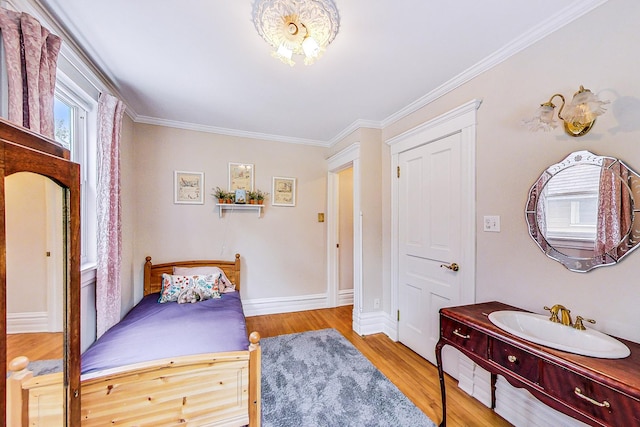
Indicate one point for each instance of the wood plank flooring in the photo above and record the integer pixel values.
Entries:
(36, 346)
(414, 376)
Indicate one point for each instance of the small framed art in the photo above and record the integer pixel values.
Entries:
(187, 188)
(241, 197)
(240, 176)
(284, 191)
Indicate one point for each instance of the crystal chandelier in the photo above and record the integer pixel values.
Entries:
(300, 27)
(578, 117)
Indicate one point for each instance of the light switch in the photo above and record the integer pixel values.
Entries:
(492, 223)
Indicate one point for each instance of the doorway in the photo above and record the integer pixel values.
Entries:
(347, 159)
(345, 236)
(433, 226)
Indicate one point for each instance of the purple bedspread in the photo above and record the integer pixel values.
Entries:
(155, 331)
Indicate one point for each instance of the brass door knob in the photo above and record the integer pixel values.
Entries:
(452, 266)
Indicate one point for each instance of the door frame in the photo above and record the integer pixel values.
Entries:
(346, 158)
(461, 120)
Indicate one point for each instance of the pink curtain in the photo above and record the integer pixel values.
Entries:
(31, 55)
(108, 290)
(614, 210)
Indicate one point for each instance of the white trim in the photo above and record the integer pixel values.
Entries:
(461, 120)
(372, 322)
(75, 56)
(27, 322)
(96, 74)
(348, 157)
(444, 124)
(563, 17)
(227, 131)
(345, 297)
(261, 306)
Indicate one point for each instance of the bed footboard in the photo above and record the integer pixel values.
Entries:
(221, 389)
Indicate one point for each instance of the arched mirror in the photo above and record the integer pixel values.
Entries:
(582, 211)
(40, 274)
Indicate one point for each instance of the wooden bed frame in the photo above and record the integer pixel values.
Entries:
(221, 389)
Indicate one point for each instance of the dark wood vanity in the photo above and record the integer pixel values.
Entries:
(599, 392)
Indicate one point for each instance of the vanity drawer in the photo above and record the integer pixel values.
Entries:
(463, 336)
(515, 360)
(591, 398)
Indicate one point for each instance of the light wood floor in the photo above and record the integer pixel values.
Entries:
(413, 375)
(38, 346)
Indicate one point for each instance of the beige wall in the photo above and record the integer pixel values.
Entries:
(26, 225)
(345, 229)
(598, 52)
(373, 190)
(283, 252)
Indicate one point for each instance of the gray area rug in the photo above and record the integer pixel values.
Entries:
(320, 379)
(46, 366)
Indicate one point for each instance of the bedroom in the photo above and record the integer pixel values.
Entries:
(508, 161)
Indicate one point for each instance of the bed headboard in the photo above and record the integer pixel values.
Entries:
(153, 273)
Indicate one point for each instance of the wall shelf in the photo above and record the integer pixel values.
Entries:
(237, 206)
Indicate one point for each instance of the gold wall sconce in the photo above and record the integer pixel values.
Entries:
(578, 117)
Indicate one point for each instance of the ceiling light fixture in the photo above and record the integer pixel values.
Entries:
(301, 27)
(578, 117)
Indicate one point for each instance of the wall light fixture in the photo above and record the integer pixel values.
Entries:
(578, 117)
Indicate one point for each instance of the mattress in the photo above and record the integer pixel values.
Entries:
(153, 331)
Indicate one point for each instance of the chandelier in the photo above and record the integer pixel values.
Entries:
(300, 27)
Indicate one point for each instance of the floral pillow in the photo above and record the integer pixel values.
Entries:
(172, 286)
(206, 286)
(209, 285)
(224, 284)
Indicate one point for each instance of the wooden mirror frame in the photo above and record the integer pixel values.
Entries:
(25, 151)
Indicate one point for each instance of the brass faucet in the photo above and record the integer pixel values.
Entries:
(563, 311)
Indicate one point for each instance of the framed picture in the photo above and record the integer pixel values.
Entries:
(241, 197)
(187, 188)
(284, 191)
(240, 176)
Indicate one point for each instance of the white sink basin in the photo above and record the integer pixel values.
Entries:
(539, 329)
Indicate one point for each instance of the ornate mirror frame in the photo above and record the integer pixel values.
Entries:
(628, 182)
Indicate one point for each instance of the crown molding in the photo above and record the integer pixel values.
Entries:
(71, 50)
(358, 124)
(226, 131)
(92, 71)
(563, 17)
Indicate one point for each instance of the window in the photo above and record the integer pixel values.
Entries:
(571, 199)
(75, 117)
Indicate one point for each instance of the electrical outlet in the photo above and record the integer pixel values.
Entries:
(492, 223)
(376, 303)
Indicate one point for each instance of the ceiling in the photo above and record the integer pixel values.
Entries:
(200, 64)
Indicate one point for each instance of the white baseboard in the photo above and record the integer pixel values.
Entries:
(22, 323)
(345, 297)
(515, 405)
(258, 307)
(520, 408)
(369, 323)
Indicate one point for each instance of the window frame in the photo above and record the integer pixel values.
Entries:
(83, 151)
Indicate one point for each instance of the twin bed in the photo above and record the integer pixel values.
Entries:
(165, 363)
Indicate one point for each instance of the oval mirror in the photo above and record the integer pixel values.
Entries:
(581, 211)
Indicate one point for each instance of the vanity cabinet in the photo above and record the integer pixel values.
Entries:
(599, 392)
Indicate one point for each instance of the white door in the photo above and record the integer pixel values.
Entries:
(429, 222)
